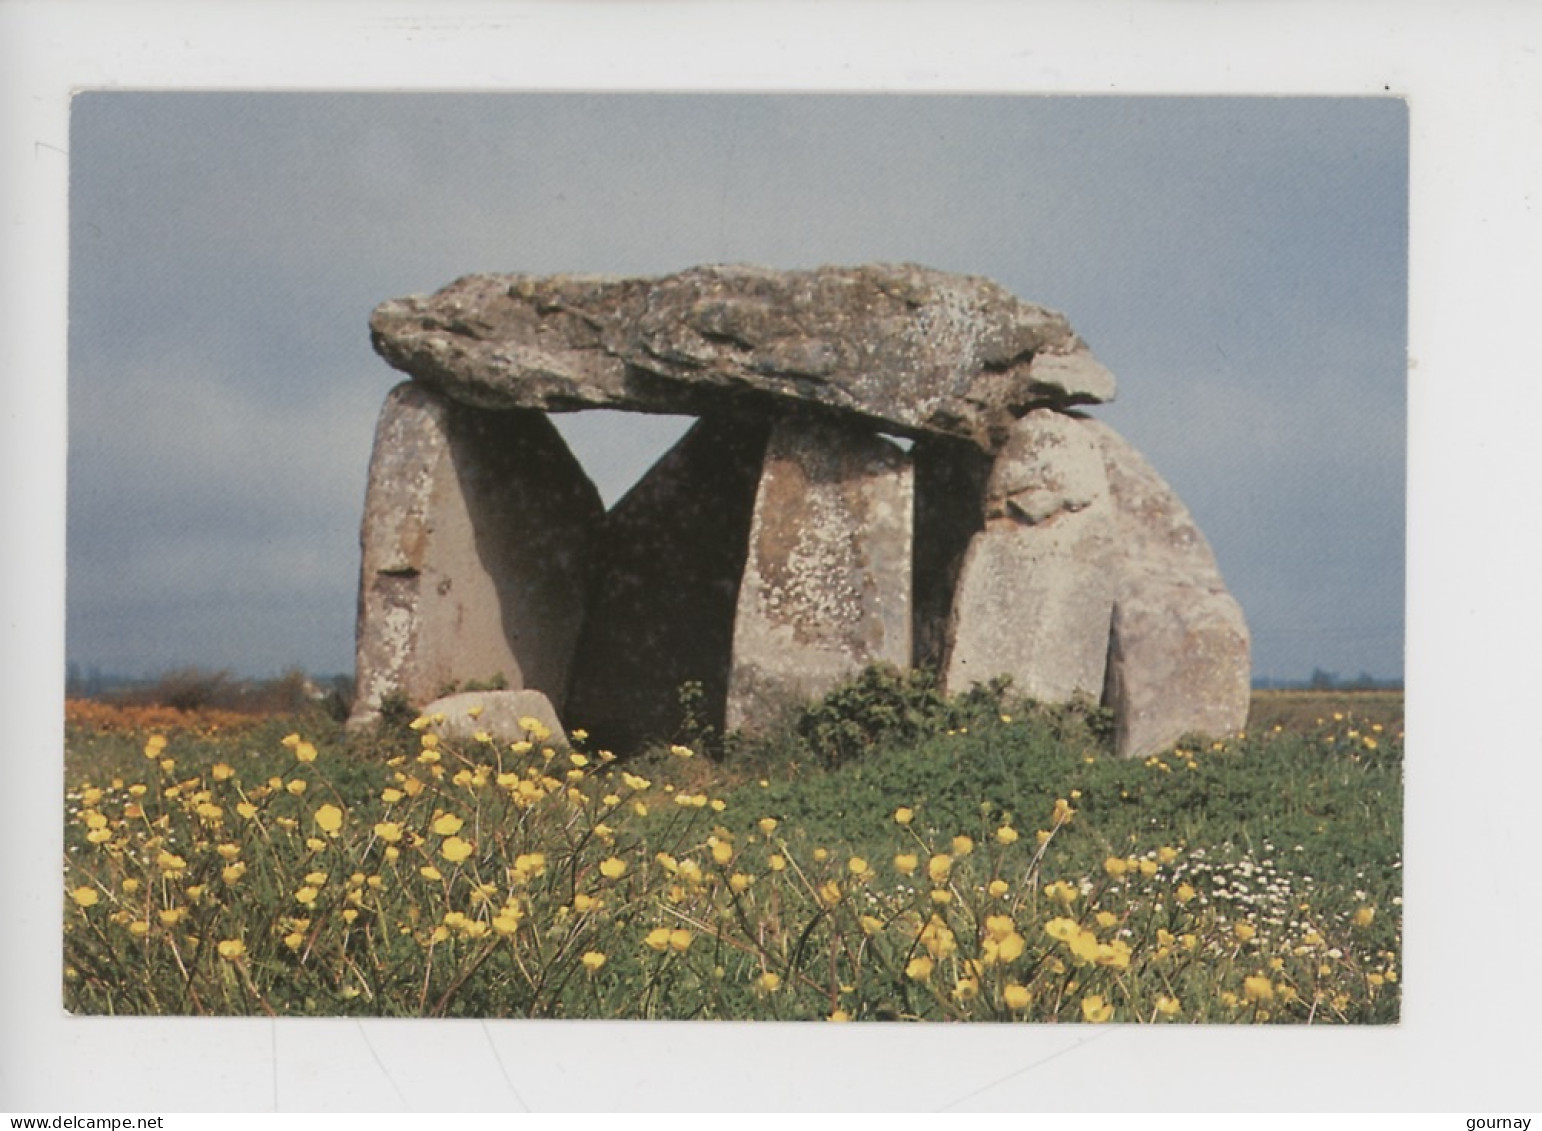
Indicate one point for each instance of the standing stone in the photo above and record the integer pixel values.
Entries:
(1179, 653)
(1036, 591)
(827, 579)
(661, 608)
(475, 542)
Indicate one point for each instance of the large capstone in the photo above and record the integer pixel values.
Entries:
(910, 349)
(476, 548)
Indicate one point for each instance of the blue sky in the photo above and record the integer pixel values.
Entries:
(1240, 265)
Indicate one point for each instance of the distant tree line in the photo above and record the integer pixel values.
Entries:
(194, 688)
(1323, 680)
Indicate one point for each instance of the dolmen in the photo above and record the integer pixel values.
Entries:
(889, 464)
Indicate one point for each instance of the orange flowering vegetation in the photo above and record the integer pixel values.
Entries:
(113, 718)
(488, 878)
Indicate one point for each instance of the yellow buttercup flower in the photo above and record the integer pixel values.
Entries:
(938, 938)
(939, 867)
(1016, 996)
(1364, 917)
(1185, 893)
(903, 816)
(963, 845)
(829, 893)
(966, 989)
(1115, 866)
(1115, 954)
(232, 949)
(1006, 834)
(906, 863)
(455, 850)
(613, 868)
(1244, 931)
(85, 896)
(1095, 1009)
(170, 862)
(998, 888)
(680, 939)
(507, 921)
(528, 866)
(767, 825)
(1167, 1006)
(769, 981)
(592, 960)
(447, 824)
(999, 927)
(304, 752)
(1061, 892)
(1257, 988)
(919, 968)
(329, 818)
(388, 831)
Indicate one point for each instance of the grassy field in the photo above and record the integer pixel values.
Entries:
(891, 855)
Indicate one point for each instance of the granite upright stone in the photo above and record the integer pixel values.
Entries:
(826, 588)
(661, 607)
(476, 546)
(1179, 658)
(1035, 594)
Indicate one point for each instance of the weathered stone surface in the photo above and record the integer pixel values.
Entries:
(917, 350)
(475, 542)
(501, 715)
(1179, 651)
(827, 580)
(784, 543)
(1091, 577)
(1036, 591)
(661, 608)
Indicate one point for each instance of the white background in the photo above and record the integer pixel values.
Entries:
(1473, 78)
